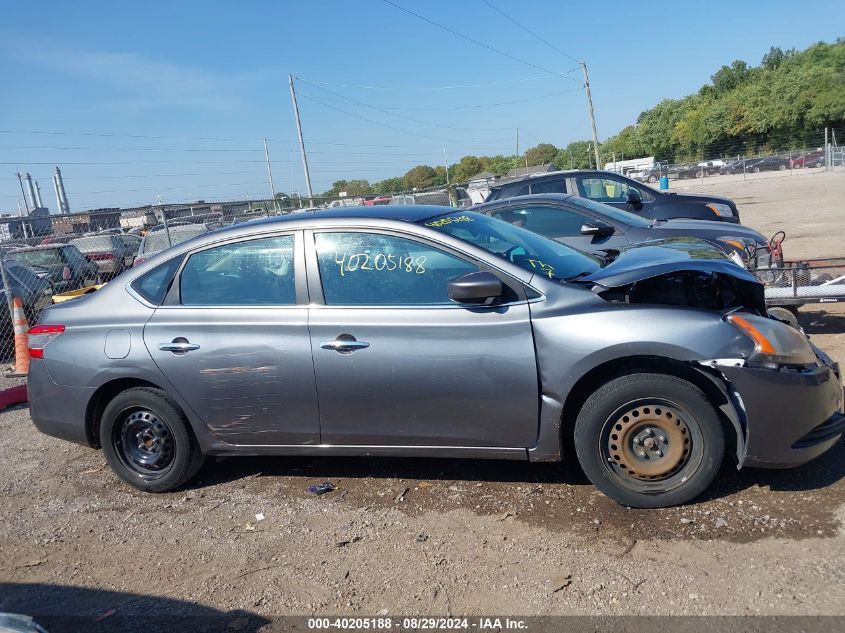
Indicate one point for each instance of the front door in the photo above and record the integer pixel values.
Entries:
(234, 343)
(398, 363)
(562, 225)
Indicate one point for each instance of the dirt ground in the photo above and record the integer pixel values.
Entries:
(432, 536)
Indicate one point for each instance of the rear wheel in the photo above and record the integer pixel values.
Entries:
(147, 440)
(649, 440)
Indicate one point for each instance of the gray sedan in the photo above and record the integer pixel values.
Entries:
(422, 331)
(593, 226)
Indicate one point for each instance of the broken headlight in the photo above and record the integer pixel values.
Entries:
(775, 343)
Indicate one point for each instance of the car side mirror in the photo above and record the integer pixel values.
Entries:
(634, 197)
(480, 287)
(596, 229)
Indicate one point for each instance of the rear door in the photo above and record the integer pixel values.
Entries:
(398, 363)
(232, 338)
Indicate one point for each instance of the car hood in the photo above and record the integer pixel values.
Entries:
(705, 229)
(694, 197)
(678, 271)
(658, 257)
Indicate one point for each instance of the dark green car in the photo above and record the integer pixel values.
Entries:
(62, 264)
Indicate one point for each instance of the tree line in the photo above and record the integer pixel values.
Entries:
(783, 103)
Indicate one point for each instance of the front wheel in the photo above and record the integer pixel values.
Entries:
(147, 440)
(649, 440)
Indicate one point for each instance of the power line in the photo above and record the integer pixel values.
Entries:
(477, 43)
(407, 88)
(384, 125)
(530, 32)
(450, 108)
(402, 116)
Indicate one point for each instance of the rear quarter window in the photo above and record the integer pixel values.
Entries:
(153, 285)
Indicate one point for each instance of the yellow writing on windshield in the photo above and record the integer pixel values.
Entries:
(436, 224)
(543, 267)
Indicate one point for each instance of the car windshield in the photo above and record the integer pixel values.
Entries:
(626, 217)
(531, 251)
(41, 257)
(157, 241)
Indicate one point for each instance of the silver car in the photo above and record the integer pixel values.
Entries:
(426, 331)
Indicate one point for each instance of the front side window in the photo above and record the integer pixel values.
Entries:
(379, 269)
(548, 221)
(249, 273)
(606, 189)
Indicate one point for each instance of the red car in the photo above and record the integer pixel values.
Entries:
(810, 159)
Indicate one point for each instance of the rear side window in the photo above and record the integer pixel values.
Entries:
(153, 285)
(549, 186)
(249, 273)
(548, 221)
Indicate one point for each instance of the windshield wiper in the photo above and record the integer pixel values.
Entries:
(579, 275)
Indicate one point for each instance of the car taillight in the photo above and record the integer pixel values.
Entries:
(66, 273)
(40, 335)
(138, 261)
(100, 256)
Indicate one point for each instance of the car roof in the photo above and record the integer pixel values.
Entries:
(38, 247)
(402, 212)
(534, 197)
(553, 174)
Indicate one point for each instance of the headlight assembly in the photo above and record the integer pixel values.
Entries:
(775, 343)
(720, 209)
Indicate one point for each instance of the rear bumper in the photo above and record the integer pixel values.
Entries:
(56, 410)
(791, 418)
(106, 266)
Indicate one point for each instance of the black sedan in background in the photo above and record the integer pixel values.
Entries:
(592, 226)
(621, 192)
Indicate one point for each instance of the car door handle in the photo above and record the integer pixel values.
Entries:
(345, 345)
(178, 347)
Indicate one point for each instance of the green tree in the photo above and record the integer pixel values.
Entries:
(540, 154)
(419, 177)
(465, 168)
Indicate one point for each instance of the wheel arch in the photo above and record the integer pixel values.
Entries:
(104, 394)
(714, 386)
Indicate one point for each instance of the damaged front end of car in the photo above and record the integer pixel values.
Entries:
(782, 395)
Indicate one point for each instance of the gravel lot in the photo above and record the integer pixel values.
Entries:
(433, 536)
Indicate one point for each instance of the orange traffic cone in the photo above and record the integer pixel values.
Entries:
(21, 340)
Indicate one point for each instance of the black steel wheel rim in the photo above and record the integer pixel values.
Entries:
(144, 442)
(651, 445)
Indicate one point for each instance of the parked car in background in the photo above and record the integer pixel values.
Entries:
(594, 227)
(686, 172)
(109, 252)
(156, 241)
(769, 163)
(132, 243)
(62, 264)
(735, 166)
(620, 192)
(423, 331)
(34, 292)
(810, 159)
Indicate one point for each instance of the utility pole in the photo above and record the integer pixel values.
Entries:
(517, 142)
(592, 114)
(301, 142)
(26, 204)
(270, 174)
(446, 165)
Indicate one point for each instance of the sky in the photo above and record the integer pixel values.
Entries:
(169, 101)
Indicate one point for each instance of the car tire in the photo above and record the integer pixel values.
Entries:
(652, 179)
(664, 426)
(147, 440)
(786, 315)
(756, 170)
(781, 167)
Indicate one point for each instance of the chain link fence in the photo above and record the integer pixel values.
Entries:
(46, 259)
